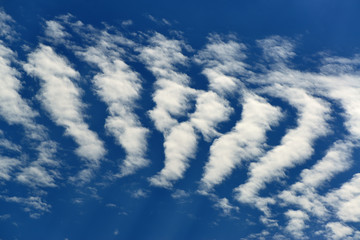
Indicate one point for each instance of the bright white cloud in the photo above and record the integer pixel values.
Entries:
(172, 93)
(223, 63)
(339, 230)
(295, 147)
(296, 223)
(16, 110)
(119, 87)
(62, 99)
(180, 146)
(210, 110)
(304, 192)
(55, 31)
(13, 108)
(172, 96)
(244, 142)
(346, 200)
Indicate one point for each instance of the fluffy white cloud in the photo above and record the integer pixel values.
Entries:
(210, 110)
(244, 142)
(16, 110)
(296, 223)
(223, 63)
(13, 108)
(346, 200)
(172, 93)
(180, 146)
(304, 192)
(172, 96)
(295, 147)
(119, 87)
(339, 230)
(62, 99)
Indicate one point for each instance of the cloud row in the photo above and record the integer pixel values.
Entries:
(185, 116)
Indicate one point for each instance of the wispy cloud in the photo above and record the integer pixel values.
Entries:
(6, 22)
(55, 31)
(223, 63)
(17, 110)
(7, 165)
(224, 205)
(158, 21)
(33, 204)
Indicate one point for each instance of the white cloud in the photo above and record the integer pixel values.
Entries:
(36, 176)
(210, 110)
(5, 143)
(139, 193)
(5, 25)
(162, 21)
(172, 94)
(5, 217)
(6, 166)
(119, 87)
(346, 200)
(126, 23)
(16, 110)
(304, 192)
(13, 108)
(180, 194)
(223, 62)
(180, 146)
(55, 31)
(244, 142)
(62, 99)
(277, 49)
(295, 147)
(33, 204)
(338, 230)
(296, 223)
(224, 205)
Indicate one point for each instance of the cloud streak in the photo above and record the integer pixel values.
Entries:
(62, 99)
(295, 147)
(244, 142)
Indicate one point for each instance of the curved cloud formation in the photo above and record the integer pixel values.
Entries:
(61, 98)
(244, 142)
(295, 147)
(324, 101)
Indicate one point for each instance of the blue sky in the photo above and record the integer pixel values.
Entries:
(179, 120)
